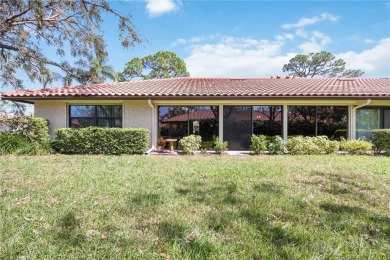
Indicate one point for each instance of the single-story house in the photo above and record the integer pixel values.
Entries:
(231, 108)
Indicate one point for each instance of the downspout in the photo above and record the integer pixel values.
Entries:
(153, 126)
(353, 130)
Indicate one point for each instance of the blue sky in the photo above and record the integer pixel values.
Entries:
(255, 38)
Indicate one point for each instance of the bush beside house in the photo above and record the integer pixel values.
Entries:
(381, 140)
(98, 140)
(25, 135)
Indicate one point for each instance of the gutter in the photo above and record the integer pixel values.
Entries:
(363, 105)
(353, 130)
(150, 103)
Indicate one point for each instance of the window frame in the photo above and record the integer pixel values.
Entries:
(96, 118)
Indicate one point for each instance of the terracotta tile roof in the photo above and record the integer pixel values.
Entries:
(217, 87)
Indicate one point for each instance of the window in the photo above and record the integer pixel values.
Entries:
(95, 115)
(371, 118)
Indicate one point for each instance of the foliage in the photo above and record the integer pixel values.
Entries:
(32, 129)
(163, 64)
(13, 144)
(311, 145)
(275, 145)
(219, 146)
(99, 140)
(92, 71)
(326, 146)
(191, 143)
(355, 146)
(258, 144)
(319, 64)
(28, 28)
(381, 140)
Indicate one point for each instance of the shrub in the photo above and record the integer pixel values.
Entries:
(99, 140)
(275, 145)
(381, 140)
(326, 145)
(10, 144)
(191, 143)
(219, 146)
(258, 144)
(32, 129)
(13, 144)
(311, 145)
(355, 146)
(302, 145)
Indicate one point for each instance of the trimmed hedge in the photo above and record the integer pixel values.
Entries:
(99, 140)
(381, 140)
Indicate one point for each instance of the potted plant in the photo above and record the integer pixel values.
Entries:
(161, 142)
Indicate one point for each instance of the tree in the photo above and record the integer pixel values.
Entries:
(163, 64)
(319, 64)
(27, 27)
(97, 72)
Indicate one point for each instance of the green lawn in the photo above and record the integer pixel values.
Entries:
(239, 207)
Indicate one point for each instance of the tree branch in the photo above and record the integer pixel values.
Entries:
(8, 47)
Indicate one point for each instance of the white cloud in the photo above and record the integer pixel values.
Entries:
(158, 7)
(192, 40)
(368, 41)
(374, 62)
(316, 42)
(310, 21)
(237, 57)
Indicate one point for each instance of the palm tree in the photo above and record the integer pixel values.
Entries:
(97, 72)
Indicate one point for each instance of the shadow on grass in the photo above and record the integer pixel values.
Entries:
(68, 233)
(280, 237)
(174, 232)
(370, 225)
(224, 193)
(198, 250)
(268, 188)
(340, 208)
(147, 200)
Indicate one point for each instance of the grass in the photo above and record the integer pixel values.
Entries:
(215, 207)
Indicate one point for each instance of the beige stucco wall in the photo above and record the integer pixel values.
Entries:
(54, 111)
(138, 114)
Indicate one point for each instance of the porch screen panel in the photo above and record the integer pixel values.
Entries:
(173, 121)
(367, 119)
(386, 118)
(203, 121)
(267, 120)
(302, 120)
(332, 121)
(237, 126)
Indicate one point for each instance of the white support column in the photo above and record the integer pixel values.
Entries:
(220, 122)
(285, 122)
(351, 122)
(154, 125)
